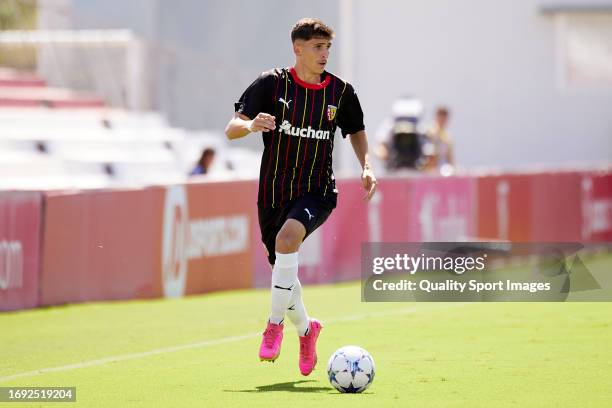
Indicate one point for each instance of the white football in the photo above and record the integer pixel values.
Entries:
(351, 369)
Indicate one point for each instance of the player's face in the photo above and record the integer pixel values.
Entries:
(313, 54)
(442, 119)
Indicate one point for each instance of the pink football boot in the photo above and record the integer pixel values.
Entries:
(308, 347)
(271, 342)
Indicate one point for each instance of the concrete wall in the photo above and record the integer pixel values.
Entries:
(494, 64)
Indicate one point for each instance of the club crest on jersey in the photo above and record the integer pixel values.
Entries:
(331, 112)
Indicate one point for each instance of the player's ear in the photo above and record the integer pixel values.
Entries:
(297, 47)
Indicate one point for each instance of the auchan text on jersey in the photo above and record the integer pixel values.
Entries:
(309, 132)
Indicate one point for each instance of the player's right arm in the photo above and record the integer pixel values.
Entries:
(250, 110)
(241, 125)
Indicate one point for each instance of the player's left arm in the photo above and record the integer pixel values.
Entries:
(359, 141)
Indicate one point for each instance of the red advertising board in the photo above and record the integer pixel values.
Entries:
(102, 245)
(503, 207)
(202, 237)
(219, 245)
(596, 206)
(171, 241)
(441, 209)
(20, 226)
(389, 217)
(556, 207)
(540, 207)
(342, 235)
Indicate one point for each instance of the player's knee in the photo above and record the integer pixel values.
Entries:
(286, 242)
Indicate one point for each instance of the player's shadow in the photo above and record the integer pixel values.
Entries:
(286, 386)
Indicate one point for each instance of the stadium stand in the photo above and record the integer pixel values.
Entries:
(54, 138)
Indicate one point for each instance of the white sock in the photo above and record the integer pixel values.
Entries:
(284, 277)
(296, 310)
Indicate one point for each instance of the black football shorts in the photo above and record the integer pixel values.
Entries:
(310, 209)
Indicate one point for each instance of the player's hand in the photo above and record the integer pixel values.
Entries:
(368, 180)
(263, 122)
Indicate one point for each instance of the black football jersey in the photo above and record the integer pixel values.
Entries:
(297, 155)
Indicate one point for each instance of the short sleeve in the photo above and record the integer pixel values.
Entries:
(350, 115)
(253, 99)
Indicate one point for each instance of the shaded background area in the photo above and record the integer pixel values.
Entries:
(520, 93)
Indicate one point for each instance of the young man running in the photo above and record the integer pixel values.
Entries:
(297, 110)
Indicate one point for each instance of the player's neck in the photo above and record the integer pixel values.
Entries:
(306, 75)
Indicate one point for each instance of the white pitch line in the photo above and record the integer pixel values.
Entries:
(126, 357)
(189, 346)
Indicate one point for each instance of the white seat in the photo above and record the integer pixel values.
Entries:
(99, 147)
(55, 182)
(147, 173)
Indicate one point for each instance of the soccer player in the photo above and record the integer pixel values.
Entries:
(297, 110)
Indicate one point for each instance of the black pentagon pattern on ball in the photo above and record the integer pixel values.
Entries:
(371, 375)
(330, 372)
(354, 368)
(351, 389)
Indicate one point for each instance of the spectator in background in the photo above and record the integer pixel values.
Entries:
(439, 147)
(203, 166)
(400, 139)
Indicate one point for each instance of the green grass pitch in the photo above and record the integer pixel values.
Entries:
(201, 351)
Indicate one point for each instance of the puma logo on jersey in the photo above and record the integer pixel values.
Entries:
(286, 103)
(308, 132)
(310, 216)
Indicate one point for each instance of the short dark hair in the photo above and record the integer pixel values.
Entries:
(208, 152)
(443, 110)
(308, 28)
